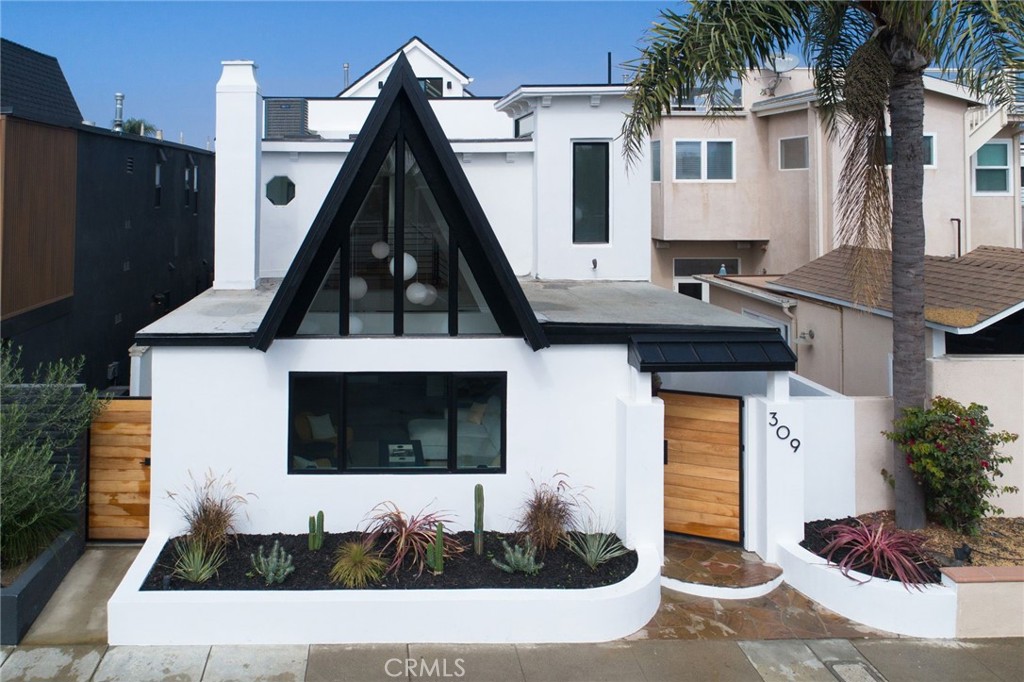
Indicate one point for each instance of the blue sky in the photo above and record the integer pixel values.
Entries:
(165, 56)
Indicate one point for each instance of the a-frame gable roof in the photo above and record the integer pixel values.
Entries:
(401, 107)
(373, 73)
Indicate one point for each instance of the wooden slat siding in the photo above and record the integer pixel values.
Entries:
(119, 487)
(702, 477)
(38, 215)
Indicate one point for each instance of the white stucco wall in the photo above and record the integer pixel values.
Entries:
(568, 410)
(627, 255)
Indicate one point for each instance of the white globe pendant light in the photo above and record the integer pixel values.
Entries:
(431, 295)
(380, 250)
(416, 293)
(409, 264)
(355, 325)
(357, 287)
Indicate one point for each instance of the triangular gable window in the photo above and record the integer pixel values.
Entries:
(431, 287)
(400, 192)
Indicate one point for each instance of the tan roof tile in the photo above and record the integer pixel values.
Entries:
(959, 292)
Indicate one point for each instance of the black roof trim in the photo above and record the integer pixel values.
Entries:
(211, 340)
(402, 106)
(401, 50)
(736, 351)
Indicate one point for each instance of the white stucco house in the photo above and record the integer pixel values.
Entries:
(514, 337)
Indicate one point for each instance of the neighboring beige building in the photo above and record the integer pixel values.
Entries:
(974, 310)
(754, 189)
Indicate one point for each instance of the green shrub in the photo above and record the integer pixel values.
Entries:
(952, 451)
(519, 559)
(37, 499)
(273, 568)
(195, 562)
(357, 564)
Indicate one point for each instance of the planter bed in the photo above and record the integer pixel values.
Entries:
(420, 610)
(562, 569)
(815, 542)
(23, 600)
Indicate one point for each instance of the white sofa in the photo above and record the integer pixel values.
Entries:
(478, 432)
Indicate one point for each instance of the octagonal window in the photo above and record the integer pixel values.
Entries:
(280, 190)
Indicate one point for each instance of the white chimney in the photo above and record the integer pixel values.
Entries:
(237, 207)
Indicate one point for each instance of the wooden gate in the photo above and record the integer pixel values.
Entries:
(702, 465)
(119, 471)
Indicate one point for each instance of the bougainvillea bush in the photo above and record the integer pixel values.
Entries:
(952, 451)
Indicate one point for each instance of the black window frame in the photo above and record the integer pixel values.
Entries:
(576, 238)
(342, 423)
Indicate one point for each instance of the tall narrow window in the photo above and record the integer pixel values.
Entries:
(590, 192)
(158, 173)
(992, 168)
(655, 160)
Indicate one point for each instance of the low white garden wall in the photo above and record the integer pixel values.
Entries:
(881, 604)
(380, 616)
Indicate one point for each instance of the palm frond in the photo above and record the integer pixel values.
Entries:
(837, 30)
(978, 43)
(715, 43)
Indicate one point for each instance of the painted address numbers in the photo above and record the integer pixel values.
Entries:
(782, 431)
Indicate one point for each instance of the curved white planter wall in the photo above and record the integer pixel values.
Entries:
(881, 604)
(376, 616)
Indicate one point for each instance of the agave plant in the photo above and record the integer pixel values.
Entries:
(407, 536)
(196, 562)
(879, 550)
(595, 547)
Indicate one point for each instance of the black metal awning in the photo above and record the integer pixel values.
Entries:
(711, 351)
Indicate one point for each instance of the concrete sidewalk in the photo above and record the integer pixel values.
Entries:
(781, 636)
(825, 660)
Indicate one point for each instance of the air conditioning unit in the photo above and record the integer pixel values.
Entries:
(287, 118)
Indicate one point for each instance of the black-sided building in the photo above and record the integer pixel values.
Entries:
(102, 233)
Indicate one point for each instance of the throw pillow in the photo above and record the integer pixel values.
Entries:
(321, 427)
(476, 413)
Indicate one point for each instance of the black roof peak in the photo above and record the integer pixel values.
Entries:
(401, 111)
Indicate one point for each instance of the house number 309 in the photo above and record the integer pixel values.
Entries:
(782, 431)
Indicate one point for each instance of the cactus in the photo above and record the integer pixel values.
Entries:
(316, 531)
(519, 559)
(478, 519)
(435, 551)
(273, 568)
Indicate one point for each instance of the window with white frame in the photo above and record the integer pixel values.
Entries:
(991, 168)
(705, 160)
(793, 153)
(655, 160)
(927, 150)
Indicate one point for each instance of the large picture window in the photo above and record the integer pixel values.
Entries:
(416, 422)
(590, 192)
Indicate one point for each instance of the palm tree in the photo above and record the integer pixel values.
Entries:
(867, 56)
(139, 126)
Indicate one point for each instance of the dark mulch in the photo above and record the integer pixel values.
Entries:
(815, 541)
(562, 569)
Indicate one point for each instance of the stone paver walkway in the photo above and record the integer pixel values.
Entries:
(706, 562)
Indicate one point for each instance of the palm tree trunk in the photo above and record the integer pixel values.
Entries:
(906, 114)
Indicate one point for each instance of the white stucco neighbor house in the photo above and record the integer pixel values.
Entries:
(415, 293)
